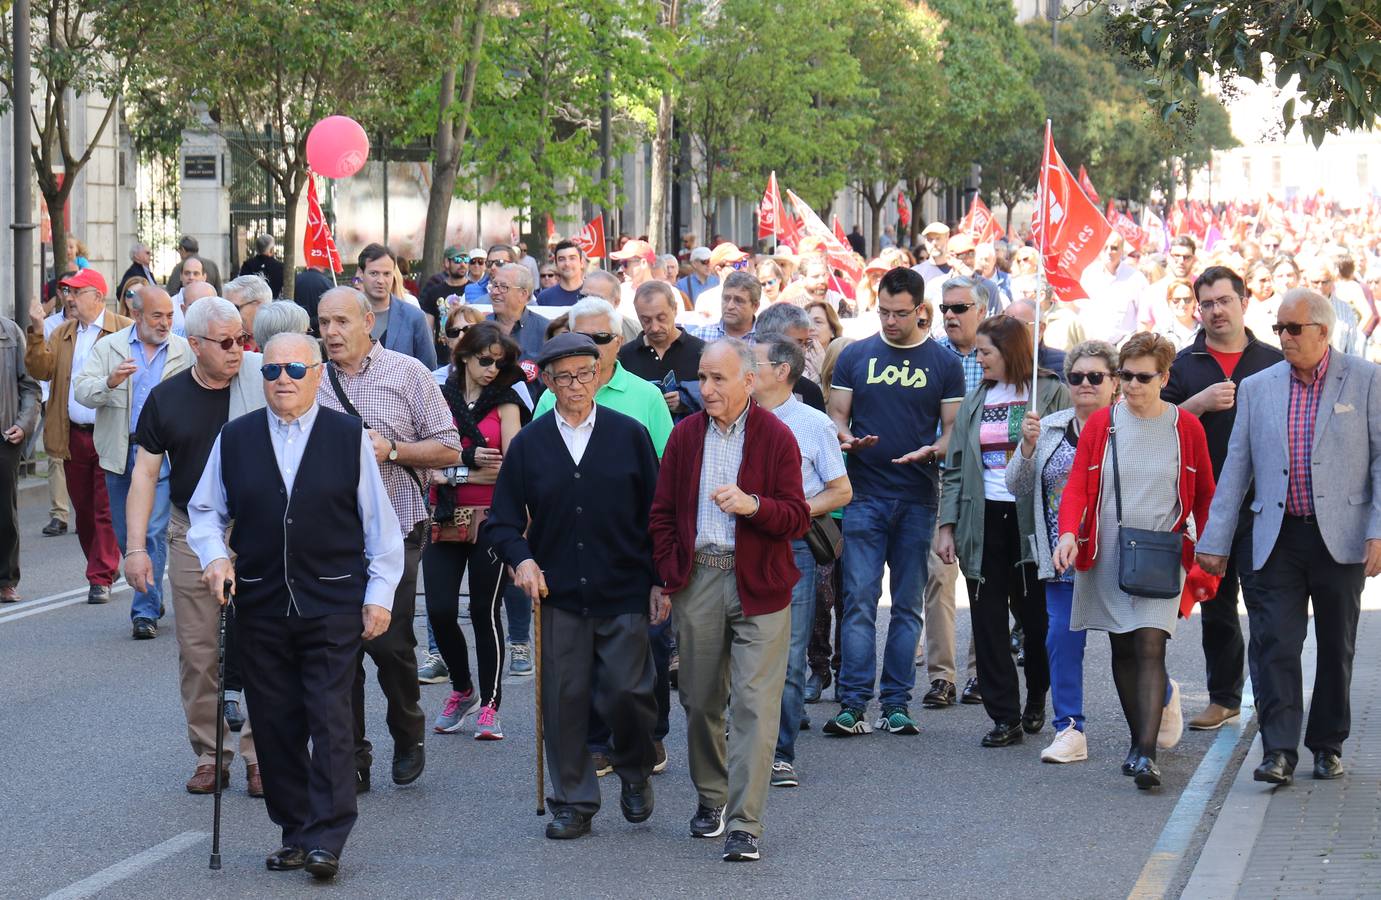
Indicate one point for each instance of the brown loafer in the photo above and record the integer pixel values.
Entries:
(1213, 717)
(203, 780)
(9, 594)
(255, 784)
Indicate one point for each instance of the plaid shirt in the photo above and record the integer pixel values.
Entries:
(1299, 422)
(714, 528)
(973, 370)
(715, 330)
(400, 400)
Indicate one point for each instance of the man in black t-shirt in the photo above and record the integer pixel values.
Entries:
(182, 418)
(664, 349)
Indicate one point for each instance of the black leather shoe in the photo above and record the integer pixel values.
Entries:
(1327, 765)
(971, 695)
(234, 715)
(940, 695)
(322, 865)
(1275, 769)
(815, 686)
(1129, 764)
(408, 763)
(285, 858)
(1146, 773)
(1004, 734)
(144, 629)
(361, 781)
(1033, 722)
(54, 528)
(567, 824)
(635, 800)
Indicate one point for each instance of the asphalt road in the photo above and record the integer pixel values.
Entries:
(93, 740)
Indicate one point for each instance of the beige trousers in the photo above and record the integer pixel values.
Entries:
(940, 581)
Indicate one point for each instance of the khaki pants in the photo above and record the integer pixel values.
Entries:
(58, 507)
(939, 641)
(197, 619)
(727, 657)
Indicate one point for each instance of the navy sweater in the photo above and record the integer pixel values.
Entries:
(589, 530)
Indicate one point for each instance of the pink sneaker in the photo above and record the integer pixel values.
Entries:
(487, 726)
(456, 708)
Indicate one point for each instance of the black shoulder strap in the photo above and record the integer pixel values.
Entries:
(1116, 477)
(350, 408)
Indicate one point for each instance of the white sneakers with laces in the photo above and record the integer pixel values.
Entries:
(1069, 746)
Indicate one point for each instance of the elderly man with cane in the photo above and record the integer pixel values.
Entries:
(318, 556)
(585, 477)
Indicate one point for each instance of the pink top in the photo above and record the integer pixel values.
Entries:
(481, 494)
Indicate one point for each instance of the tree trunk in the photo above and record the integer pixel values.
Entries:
(657, 224)
(292, 194)
(55, 201)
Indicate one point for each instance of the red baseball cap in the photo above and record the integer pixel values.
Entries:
(86, 278)
(636, 250)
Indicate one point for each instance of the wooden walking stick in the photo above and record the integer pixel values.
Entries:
(537, 681)
(220, 730)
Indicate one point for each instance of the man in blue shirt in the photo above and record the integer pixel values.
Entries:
(477, 290)
(570, 276)
(510, 290)
(891, 394)
(700, 278)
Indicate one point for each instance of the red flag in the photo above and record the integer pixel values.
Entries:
(1088, 185)
(551, 228)
(770, 217)
(979, 222)
(839, 253)
(318, 247)
(903, 210)
(1177, 218)
(1069, 229)
(1131, 232)
(591, 238)
(1194, 221)
(839, 230)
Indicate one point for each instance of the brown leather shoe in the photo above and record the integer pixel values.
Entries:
(9, 594)
(1213, 717)
(255, 784)
(203, 780)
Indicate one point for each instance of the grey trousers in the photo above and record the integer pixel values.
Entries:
(727, 657)
(609, 657)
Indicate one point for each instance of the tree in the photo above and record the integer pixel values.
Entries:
(1332, 48)
(669, 25)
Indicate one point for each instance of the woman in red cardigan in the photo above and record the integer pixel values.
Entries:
(1166, 476)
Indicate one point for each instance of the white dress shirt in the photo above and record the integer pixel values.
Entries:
(83, 342)
(383, 538)
(577, 437)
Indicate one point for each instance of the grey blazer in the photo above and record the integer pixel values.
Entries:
(1346, 461)
(1023, 480)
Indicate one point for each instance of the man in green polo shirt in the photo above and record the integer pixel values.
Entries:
(618, 390)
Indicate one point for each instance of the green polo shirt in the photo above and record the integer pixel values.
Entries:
(633, 397)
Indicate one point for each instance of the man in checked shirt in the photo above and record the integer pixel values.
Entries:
(411, 427)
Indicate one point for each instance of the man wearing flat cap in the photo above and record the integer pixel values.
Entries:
(585, 477)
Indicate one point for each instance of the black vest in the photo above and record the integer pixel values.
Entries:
(302, 553)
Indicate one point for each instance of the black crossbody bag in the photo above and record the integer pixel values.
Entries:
(350, 408)
(1148, 562)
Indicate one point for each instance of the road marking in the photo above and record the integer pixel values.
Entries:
(52, 601)
(94, 884)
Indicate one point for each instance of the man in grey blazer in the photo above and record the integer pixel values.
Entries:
(1308, 433)
(398, 325)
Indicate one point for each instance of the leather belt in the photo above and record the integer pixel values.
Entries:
(714, 560)
(80, 427)
(1310, 519)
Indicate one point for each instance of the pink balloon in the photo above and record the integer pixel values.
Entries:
(337, 147)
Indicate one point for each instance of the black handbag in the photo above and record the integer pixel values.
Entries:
(825, 540)
(1149, 563)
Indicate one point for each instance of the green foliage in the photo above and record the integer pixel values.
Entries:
(1333, 48)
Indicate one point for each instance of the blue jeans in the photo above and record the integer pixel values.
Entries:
(1065, 649)
(896, 533)
(147, 604)
(802, 624)
(519, 610)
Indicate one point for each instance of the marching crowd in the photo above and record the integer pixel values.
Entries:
(692, 473)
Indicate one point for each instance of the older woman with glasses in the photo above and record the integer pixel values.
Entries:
(1162, 474)
(1184, 313)
(981, 524)
(772, 280)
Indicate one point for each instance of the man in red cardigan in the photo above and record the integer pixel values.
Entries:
(729, 502)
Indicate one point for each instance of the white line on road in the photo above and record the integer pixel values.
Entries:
(94, 884)
(51, 602)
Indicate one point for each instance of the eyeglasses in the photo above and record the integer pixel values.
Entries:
(1093, 378)
(740, 265)
(491, 263)
(227, 343)
(485, 362)
(1183, 301)
(457, 331)
(1294, 328)
(898, 314)
(498, 287)
(456, 259)
(601, 337)
(923, 324)
(1210, 305)
(67, 291)
(957, 308)
(770, 282)
(1143, 377)
(477, 262)
(548, 274)
(566, 379)
(296, 371)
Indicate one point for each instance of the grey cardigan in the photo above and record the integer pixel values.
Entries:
(1023, 477)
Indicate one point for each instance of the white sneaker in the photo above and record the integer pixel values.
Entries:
(1069, 746)
(1171, 719)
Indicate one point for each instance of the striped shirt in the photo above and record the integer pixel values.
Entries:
(1299, 429)
(714, 528)
(399, 399)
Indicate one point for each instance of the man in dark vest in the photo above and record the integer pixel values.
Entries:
(318, 555)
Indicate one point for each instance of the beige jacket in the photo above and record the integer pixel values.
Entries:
(112, 405)
(51, 360)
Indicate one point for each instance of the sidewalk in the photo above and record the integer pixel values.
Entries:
(1314, 838)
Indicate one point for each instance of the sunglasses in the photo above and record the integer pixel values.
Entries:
(957, 308)
(457, 259)
(1143, 377)
(740, 265)
(296, 371)
(485, 362)
(548, 274)
(1093, 378)
(491, 263)
(456, 331)
(477, 262)
(601, 337)
(226, 344)
(1294, 328)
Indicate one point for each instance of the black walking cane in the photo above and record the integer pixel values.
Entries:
(537, 681)
(220, 729)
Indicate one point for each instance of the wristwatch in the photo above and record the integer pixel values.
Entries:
(459, 475)
(392, 451)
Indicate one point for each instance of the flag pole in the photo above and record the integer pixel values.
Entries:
(1044, 289)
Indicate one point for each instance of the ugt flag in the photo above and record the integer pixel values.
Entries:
(1069, 229)
(318, 247)
(770, 210)
(591, 238)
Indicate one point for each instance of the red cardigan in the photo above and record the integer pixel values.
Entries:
(1083, 495)
(764, 568)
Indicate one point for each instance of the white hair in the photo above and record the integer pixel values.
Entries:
(247, 289)
(279, 317)
(1320, 307)
(346, 290)
(207, 312)
(301, 340)
(746, 357)
(521, 275)
(138, 246)
(595, 307)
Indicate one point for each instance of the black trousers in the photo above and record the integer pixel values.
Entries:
(1298, 571)
(659, 642)
(298, 675)
(10, 455)
(1007, 584)
(443, 566)
(607, 658)
(394, 654)
(1225, 653)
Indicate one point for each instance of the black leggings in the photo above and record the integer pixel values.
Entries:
(1008, 583)
(443, 564)
(1138, 670)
